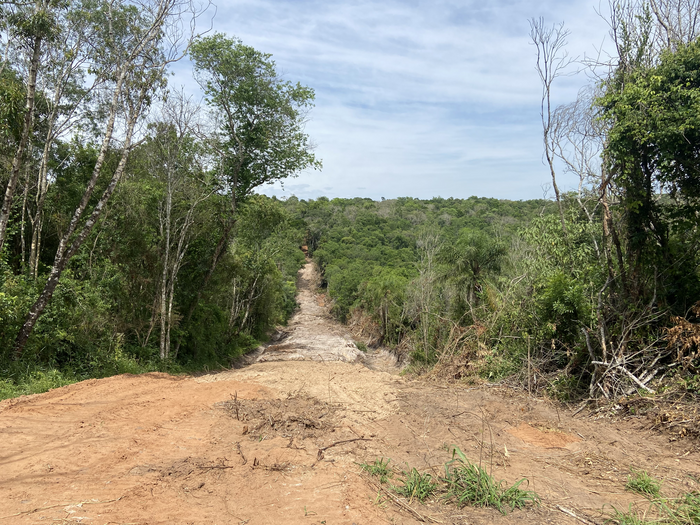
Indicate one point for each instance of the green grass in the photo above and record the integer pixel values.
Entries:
(684, 510)
(642, 483)
(627, 518)
(380, 468)
(35, 382)
(464, 483)
(23, 378)
(416, 486)
(469, 484)
(687, 509)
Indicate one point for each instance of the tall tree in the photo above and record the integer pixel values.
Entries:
(259, 119)
(552, 62)
(176, 159)
(131, 56)
(30, 28)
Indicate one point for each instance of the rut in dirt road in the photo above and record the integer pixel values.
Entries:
(313, 335)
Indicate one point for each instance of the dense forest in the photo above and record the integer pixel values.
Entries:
(133, 237)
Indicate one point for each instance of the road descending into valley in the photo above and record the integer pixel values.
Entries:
(279, 439)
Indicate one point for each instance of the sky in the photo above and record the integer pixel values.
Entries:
(415, 98)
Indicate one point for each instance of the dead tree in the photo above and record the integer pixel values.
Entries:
(552, 62)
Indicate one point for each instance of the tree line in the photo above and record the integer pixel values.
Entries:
(131, 235)
(594, 294)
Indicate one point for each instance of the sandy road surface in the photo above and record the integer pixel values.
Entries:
(277, 441)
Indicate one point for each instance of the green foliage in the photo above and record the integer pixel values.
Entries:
(383, 296)
(655, 116)
(642, 483)
(629, 518)
(263, 137)
(652, 113)
(469, 484)
(373, 259)
(34, 382)
(380, 468)
(564, 306)
(416, 485)
(499, 364)
(565, 388)
(469, 262)
(687, 509)
(12, 97)
(253, 288)
(143, 275)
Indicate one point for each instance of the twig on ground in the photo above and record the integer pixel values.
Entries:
(319, 456)
(58, 505)
(212, 467)
(579, 409)
(240, 451)
(235, 405)
(576, 516)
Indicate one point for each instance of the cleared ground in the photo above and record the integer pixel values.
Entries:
(279, 440)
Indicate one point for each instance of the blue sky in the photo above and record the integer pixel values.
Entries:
(416, 98)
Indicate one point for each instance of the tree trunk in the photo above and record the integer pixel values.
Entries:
(550, 162)
(23, 221)
(18, 159)
(64, 255)
(218, 251)
(165, 231)
(41, 190)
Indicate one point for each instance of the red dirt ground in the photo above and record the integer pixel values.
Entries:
(280, 442)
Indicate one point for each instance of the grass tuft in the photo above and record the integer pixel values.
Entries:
(627, 518)
(642, 483)
(464, 482)
(380, 468)
(469, 484)
(416, 486)
(687, 509)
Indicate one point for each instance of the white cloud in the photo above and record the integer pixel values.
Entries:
(415, 97)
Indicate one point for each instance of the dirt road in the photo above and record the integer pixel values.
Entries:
(278, 442)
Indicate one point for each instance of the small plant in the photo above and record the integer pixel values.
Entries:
(362, 347)
(416, 485)
(642, 483)
(684, 510)
(627, 518)
(687, 510)
(469, 484)
(380, 468)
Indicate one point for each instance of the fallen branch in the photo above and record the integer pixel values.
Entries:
(633, 378)
(629, 374)
(573, 515)
(319, 456)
